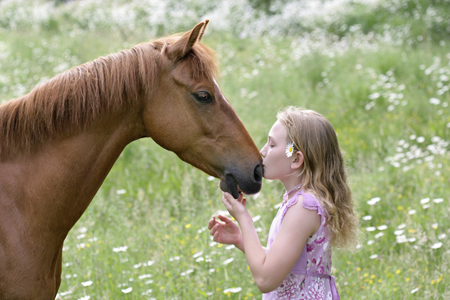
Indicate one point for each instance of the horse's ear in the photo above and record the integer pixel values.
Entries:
(184, 45)
(203, 30)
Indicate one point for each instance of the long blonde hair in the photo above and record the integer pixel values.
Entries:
(323, 171)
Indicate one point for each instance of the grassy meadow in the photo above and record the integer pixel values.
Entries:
(386, 92)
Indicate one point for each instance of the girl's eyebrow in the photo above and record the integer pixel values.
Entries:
(271, 139)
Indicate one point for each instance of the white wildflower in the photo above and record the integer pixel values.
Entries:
(226, 262)
(87, 283)
(232, 290)
(436, 246)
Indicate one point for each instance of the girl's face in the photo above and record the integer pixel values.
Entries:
(275, 162)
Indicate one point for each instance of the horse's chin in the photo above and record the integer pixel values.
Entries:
(230, 185)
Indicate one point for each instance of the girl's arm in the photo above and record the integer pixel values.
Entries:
(270, 269)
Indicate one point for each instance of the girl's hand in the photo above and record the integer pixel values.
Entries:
(236, 207)
(225, 232)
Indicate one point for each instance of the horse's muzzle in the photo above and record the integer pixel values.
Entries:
(235, 181)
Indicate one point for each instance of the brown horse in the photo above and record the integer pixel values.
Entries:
(58, 143)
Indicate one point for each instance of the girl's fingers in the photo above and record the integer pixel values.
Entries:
(216, 237)
(227, 202)
(240, 197)
(211, 222)
(214, 229)
(230, 202)
(225, 219)
(225, 197)
(228, 197)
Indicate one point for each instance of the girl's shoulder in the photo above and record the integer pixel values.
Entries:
(306, 199)
(311, 202)
(305, 210)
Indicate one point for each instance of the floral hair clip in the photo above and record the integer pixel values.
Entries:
(290, 149)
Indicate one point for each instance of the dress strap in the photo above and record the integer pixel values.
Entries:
(288, 203)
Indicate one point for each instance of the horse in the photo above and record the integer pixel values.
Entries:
(58, 143)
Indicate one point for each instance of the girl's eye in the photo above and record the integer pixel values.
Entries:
(203, 97)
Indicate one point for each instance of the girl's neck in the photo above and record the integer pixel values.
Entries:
(291, 191)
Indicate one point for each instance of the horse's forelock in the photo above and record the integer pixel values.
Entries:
(203, 62)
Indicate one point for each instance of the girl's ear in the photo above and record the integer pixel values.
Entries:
(298, 160)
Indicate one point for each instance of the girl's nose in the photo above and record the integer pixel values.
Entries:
(263, 152)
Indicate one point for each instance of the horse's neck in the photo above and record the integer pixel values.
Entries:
(58, 181)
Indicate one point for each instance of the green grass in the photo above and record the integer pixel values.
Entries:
(158, 207)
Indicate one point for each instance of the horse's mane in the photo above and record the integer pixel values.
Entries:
(74, 99)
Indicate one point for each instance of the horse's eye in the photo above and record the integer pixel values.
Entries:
(203, 97)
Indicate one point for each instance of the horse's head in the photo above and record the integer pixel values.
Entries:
(189, 115)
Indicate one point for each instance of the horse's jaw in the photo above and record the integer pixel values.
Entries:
(229, 185)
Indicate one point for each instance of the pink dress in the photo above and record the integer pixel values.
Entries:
(310, 277)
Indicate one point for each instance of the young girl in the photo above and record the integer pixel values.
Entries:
(317, 211)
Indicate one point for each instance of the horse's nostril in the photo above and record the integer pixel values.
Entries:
(258, 173)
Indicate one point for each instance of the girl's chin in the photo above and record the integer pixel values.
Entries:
(267, 176)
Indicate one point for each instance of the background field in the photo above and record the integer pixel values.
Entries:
(378, 70)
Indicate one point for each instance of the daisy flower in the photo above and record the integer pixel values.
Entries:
(289, 149)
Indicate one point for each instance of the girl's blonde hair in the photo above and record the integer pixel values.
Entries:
(323, 171)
